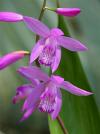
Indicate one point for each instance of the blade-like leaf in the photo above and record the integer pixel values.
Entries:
(80, 114)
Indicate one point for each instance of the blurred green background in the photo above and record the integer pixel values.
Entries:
(15, 36)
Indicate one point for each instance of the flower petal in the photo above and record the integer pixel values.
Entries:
(33, 73)
(27, 114)
(36, 26)
(56, 32)
(12, 57)
(71, 44)
(22, 92)
(37, 49)
(35, 82)
(58, 105)
(57, 80)
(10, 17)
(69, 12)
(57, 59)
(34, 98)
(74, 90)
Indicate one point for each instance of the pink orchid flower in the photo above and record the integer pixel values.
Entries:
(48, 48)
(44, 92)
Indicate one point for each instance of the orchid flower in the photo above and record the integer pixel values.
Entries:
(45, 94)
(11, 58)
(48, 48)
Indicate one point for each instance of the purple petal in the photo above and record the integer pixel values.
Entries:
(10, 17)
(71, 44)
(69, 12)
(56, 32)
(74, 90)
(57, 59)
(27, 114)
(37, 26)
(12, 57)
(35, 82)
(33, 73)
(22, 92)
(57, 80)
(34, 98)
(58, 105)
(37, 49)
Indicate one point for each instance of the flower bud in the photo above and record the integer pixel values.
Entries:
(10, 17)
(12, 57)
(69, 12)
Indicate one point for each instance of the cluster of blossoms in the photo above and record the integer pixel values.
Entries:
(43, 91)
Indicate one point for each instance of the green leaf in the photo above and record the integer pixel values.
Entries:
(54, 126)
(79, 114)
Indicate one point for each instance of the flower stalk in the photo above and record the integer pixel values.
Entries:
(62, 124)
(60, 121)
(40, 18)
(41, 15)
(59, 118)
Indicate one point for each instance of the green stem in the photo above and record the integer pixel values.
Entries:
(40, 18)
(59, 118)
(62, 125)
(41, 15)
(42, 10)
(37, 38)
(51, 9)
